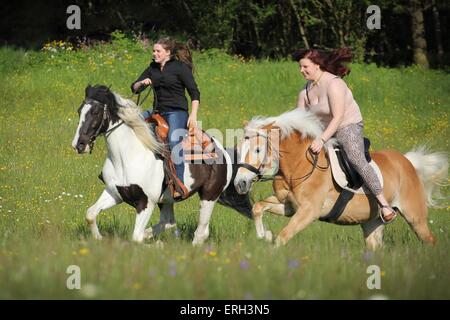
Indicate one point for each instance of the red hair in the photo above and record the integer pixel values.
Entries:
(328, 61)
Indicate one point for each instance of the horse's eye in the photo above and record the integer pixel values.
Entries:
(257, 150)
(246, 137)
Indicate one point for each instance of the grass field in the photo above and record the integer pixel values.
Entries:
(45, 189)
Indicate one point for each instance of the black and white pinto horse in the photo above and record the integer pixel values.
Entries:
(133, 173)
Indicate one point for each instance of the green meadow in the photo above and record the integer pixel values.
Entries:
(46, 188)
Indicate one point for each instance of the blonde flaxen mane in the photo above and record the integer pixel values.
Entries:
(304, 122)
(130, 113)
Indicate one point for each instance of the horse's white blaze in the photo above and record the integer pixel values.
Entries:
(83, 112)
(243, 174)
(244, 149)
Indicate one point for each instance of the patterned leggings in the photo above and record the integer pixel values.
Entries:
(351, 139)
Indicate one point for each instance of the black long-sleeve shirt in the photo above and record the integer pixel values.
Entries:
(169, 85)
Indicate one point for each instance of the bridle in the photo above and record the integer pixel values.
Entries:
(308, 154)
(104, 123)
(257, 170)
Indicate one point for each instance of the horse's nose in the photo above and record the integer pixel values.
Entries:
(80, 147)
(243, 185)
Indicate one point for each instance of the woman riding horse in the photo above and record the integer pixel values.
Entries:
(171, 73)
(133, 172)
(304, 188)
(329, 97)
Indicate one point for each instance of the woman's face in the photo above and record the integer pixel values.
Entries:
(309, 69)
(160, 54)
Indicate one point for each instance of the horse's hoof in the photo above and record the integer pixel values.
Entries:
(98, 237)
(148, 233)
(279, 242)
(268, 236)
(196, 242)
(159, 244)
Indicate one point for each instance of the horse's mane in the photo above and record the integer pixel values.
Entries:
(130, 113)
(304, 122)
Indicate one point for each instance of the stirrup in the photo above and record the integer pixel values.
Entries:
(394, 214)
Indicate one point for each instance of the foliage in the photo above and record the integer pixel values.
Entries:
(45, 188)
(255, 28)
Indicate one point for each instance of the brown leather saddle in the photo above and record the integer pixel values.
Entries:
(197, 147)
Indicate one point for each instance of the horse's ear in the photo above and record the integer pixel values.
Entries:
(268, 126)
(245, 123)
(88, 90)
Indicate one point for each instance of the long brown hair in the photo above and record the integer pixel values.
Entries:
(332, 62)
(178, 50)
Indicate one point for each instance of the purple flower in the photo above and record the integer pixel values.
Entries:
(244, 264)
(368, 255)
(173, 268)
(293, 264)
(248, 296)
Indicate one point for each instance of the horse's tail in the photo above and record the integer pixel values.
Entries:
(432, 169)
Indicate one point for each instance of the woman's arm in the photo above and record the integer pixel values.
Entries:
(336, 99)
(191, 86)
(144, 79)
(301, 99)
(192, 120)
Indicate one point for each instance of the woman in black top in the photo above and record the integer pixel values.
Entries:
(171, 73)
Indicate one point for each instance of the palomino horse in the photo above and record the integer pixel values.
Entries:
(134, 174)
(304, 189)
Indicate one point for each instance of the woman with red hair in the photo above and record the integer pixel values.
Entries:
(329, 97)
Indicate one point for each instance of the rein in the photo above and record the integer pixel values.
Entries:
(314, 161)
(98, 133)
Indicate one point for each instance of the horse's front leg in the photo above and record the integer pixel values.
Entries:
(142, 218)
(202, 231)
(306, 213)
(273, 205)
(106, 200)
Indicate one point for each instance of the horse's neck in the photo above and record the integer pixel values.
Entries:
(293, 151)
(124, 146)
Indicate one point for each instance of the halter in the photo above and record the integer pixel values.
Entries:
(259, 175)
(102, 124)
(253, 169)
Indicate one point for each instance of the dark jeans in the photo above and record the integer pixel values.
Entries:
(177, 121)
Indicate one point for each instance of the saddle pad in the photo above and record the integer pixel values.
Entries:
(340, 177)
(198, 146)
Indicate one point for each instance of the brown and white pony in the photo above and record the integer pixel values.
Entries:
(133, 172)
(304, 189)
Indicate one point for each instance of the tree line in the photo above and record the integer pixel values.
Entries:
(411, 31)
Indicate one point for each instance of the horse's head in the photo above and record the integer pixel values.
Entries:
(96, 112)
(258, 156)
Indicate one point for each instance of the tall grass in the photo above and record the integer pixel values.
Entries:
(45, 188)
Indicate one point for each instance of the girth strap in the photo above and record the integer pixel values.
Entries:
(339, 206)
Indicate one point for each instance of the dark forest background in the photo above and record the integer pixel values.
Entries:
(412, 31)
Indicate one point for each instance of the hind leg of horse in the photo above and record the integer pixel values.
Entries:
(373, 234)
(142, 219)
(105, 201)
(166, 221)
(202, 231)
(273, 205)
(415, 212)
